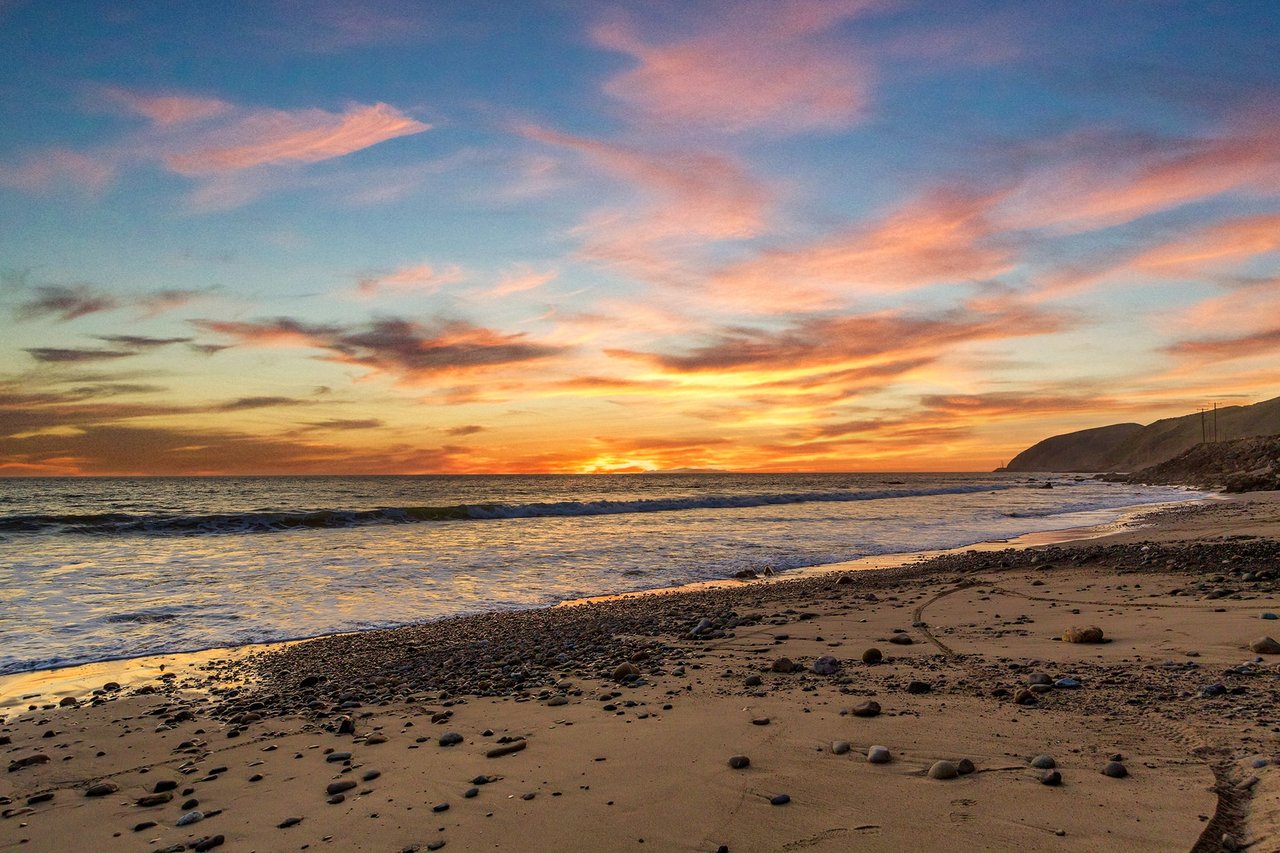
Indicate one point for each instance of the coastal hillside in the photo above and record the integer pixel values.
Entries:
(1244, 465)
(1132, 447)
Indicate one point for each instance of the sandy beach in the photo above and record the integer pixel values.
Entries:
(616, 725)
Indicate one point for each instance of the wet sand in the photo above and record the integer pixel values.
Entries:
(624, 716)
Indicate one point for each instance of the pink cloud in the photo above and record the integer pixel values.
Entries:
(1100, 185)
(940, 237)
(56, 169)
(521, 279)
(275, 137)
(685, 199)
(757, 64)
(422, 277)
(168, 110)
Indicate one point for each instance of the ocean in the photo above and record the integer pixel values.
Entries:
(105, 568)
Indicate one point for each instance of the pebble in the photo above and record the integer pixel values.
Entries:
(783, 665)
(753, 681)
(1115, 770)
(919, 687)
(870, 708)
(154, 800)
(450, 739)
(840, 747)
(901, 640)
(190, 818)
(760, 721)
(470, 793)
(440, 807)
(339, 786)
(101, 789)
(1044, 762)
(779, 799)
(943, 770)
(335, 757)
(1066, 684)
(964, 767)
(738, 762)
(288, 822)
(1051, 777)
(872, 656)
(370, 775)
(506, 749)
(879, 755)
(626, 671)
(1270, 616)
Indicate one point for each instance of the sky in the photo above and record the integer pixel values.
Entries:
(282, 237)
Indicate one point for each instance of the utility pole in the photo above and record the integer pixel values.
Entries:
(1203, 436)
(1215, 423)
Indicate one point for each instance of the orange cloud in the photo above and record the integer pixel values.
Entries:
(757, 64)
(941, 237)
(273, 137)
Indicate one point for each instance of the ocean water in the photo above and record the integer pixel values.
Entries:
(103, 568)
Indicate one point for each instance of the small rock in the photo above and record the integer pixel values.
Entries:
(101, 789)
(879, 755)
(901, 640)
(779, 800)
(1043, 762)
(943, 770)
(1051, 777)
(440, 807)
(738, 762)
(826, 665)
(783, 665)
(190, 818)
(839, 747)
(919, 687)
(626, 671)
(288, 822)
(870, 708)
(964, 767)
(753, 681)
(1265, 646)
(1091, 634)
(339, 786)
(1115, 770)
(335, 757)
(450, 739)
(872, 656)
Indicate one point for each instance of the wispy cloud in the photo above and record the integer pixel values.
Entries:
(757, 64)
(64, 302)
(423, 277)
(69, 355)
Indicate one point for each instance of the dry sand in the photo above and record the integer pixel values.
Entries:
(642, 764)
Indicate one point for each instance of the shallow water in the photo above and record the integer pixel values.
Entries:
(107, 568)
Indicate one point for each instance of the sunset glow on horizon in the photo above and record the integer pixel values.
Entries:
(591, 237)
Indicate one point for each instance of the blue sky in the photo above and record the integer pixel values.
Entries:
(572, 236)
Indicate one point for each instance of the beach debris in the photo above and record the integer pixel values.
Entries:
(29, 761)
(507, 749)
(1265, 646)
(826, 665)
(1090, 634)
(872, 656)
(739, 762)
(1115, 770)
(879, 755)
(944, 770)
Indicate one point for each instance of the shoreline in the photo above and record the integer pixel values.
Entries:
(78, 678)
(487, 731)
